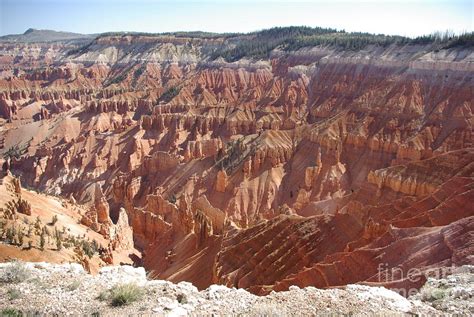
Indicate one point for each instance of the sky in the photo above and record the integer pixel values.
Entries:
(402, 17)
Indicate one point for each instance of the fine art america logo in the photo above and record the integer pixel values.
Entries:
(414, 276)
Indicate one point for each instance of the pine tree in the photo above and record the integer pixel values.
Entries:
(38, 223)
(42, 241)
(14, 232)
(20, 237)
(9, 235)
(59, 244)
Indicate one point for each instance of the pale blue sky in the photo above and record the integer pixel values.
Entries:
(403, 17)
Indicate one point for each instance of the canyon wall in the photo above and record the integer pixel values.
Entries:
(311, 167)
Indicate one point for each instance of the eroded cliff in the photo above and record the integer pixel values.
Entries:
(311, 167)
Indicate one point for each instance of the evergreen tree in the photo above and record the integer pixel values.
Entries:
(42, 241)
(54, 220)
(9, 235)
(20, 237)
(59, 244)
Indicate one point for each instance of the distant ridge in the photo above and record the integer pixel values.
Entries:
(259, 44)
(34, 35)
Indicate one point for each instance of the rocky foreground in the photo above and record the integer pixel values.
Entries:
(47, 289)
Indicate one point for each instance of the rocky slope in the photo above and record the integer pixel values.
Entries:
(67, 289)
(311, 167)
(38, 227)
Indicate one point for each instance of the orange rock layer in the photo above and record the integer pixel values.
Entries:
(313, 167)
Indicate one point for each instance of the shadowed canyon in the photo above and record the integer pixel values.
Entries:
(311, 166)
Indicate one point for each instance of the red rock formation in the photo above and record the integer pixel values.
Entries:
(98, 217)
(221, 181)
(312, 168)
(121, 234)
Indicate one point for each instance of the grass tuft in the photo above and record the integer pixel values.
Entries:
(122, 294)
(74, 285)
(16, 272)
(13, 293)
(125, 294)
(11, 312)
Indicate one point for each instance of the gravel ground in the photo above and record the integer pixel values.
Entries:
(49, 289)
(453, 294)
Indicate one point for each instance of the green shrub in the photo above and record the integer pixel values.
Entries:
(172, 199)
(14, 152)
(138, 72)
(11, 312)
(42, 241)
(125, 294)
(437, 294)
(74, 285)
(103, 296)
(118, 79)
(170, 94)
(16, 272)
(88, 248)
(432, 294)
(13, 293)
(20, 237)
(10, 235)
(59, 244)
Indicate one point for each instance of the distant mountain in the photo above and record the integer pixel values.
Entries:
(34, 35)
